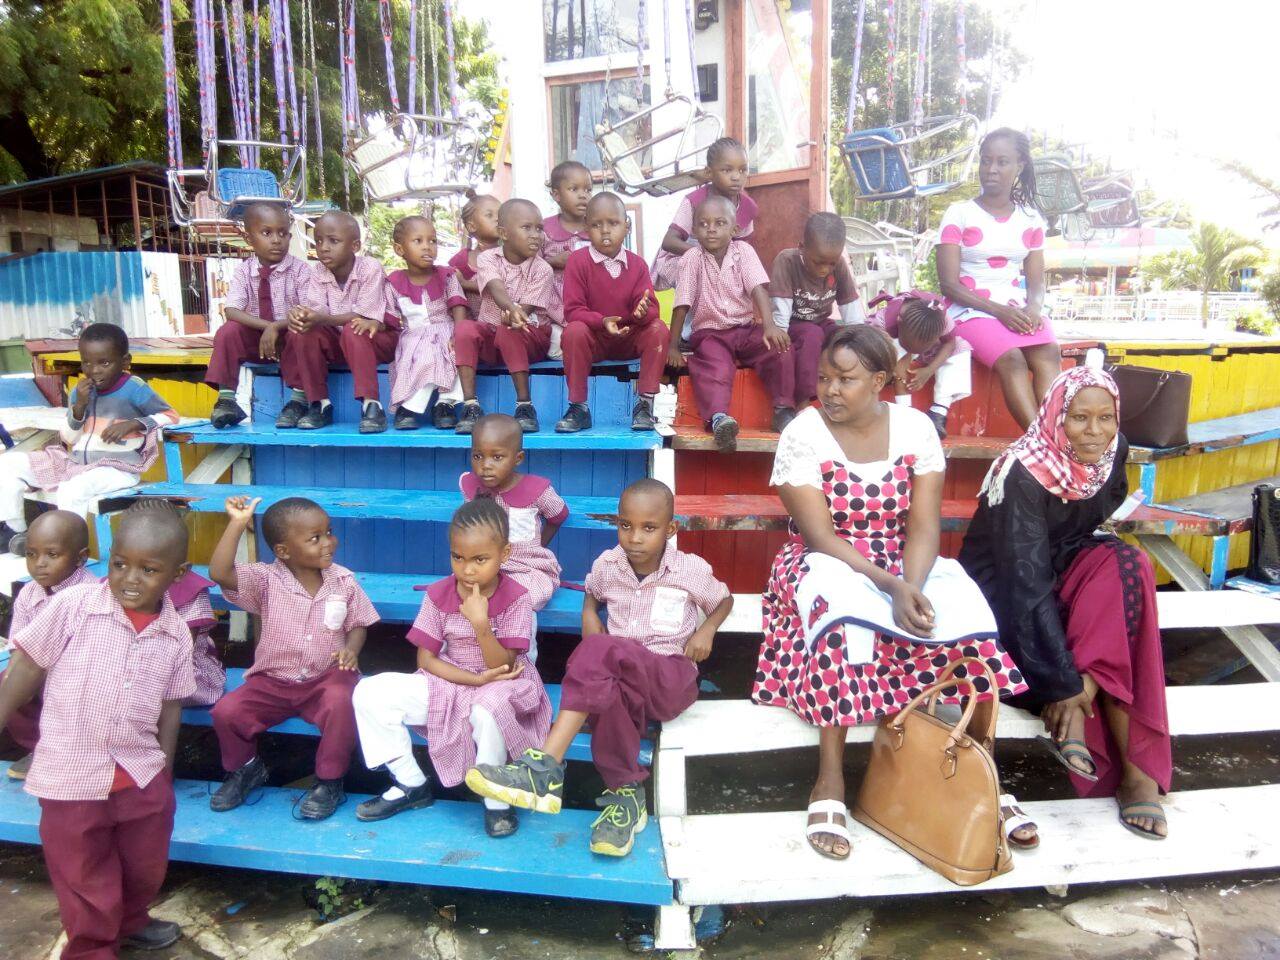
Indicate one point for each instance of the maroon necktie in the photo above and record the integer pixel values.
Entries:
(266, 309)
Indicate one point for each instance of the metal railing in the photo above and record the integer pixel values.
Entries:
(1177, 306)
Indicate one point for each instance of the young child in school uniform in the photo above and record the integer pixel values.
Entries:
(808, 284)
(642, 669)
(928, 348)
(518, 308)
(115, 659)
(57, 551)
(480, 221)
(430, 301)
(570, 184)
(345, 315)
(724, 288)
(264, 288)
(314, 619)
(534, 510)
(111, 438)
(726, 174)
(610, 313)
(476, 695)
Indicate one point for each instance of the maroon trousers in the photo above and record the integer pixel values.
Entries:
(24, 723)
(582, 346)
(107, 860)
(475, 343)
(261, 702)
(717, 354)
(305, 359)
(233, 345)
(624, 687)
(806, 347)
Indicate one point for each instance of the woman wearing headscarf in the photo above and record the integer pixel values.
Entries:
(1077, 610)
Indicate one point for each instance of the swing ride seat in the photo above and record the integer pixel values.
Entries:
(632, 167)
(893, 163)
(1058, 190)
(197, 211)
(234, 189)
(404, 161)
(1112, 202)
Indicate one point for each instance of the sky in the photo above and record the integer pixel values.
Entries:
(1162, 87)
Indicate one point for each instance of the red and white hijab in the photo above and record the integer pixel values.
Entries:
(1045, 450)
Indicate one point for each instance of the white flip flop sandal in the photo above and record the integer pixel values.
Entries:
(1014, 820)
(829, 810)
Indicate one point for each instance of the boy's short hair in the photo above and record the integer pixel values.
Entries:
(715, 199)
(346, 219)
(277, 518)
(502, 424)
(262, 209)
(157, 519)
(514, 204)
(824, 229)
(481, 512)
(649, 486)
(106, 333)
(607, 196)
(924, 323)
(73, 526)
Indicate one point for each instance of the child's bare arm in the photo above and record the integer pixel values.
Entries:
(674, 243)
(459, 313)
(558, 260)
(167, 730)
(22, 681)
(222, 565)
(435, 666)
(348, 658)
(591, 622)
(774, 337)
(549, 530)
(698, 646)
(674, 357)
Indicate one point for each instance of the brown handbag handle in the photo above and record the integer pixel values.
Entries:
(1165, 375)
(957, 731)
(985, 713)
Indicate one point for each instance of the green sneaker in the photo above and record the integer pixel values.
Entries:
(614, 832)
(534, 782)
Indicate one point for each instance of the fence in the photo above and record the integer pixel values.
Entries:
(1181, 307)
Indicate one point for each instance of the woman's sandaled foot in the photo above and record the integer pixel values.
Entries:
(1019, 829)
(1073, 754)
(828, 829)
(1140, 809)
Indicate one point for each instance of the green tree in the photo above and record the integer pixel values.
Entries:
(1268, 190)
(1216, 254)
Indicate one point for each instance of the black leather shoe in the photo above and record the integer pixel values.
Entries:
(444, 416)
(8, 535)
(156, 935)
(381, 809)
(576, 418)
(406, 420)
(471, 412)
(642, 415)
(781, 417)
(238, 785)
(290, 414)
(226, 413)
(501, 823)
(322, 799)
(18, 544)
(373, 419)
(939, 423)
(526, 417)
(318, 415)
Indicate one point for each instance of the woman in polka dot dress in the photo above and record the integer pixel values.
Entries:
(859, 616)
(991, 270)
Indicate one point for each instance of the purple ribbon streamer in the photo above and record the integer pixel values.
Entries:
(173, 120)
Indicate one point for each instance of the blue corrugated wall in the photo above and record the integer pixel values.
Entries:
(52, 294)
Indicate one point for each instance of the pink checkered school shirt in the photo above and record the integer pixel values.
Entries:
(285, 280)
(32, 598)
(718, 295)
(366, 292)
(530, 283)
(662, 610)
(104, 688)
(615, 265)
(300, 633)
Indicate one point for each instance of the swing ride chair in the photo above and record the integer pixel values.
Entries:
(406, 160)
(894, 163)
(684, 170)
(1058, 190)
(1116, 211)
(194, 209)
(234, 189)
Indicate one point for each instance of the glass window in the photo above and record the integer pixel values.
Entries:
(576, 108)
(574, 29)
(779, 58)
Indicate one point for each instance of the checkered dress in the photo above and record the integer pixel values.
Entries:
(529, 504)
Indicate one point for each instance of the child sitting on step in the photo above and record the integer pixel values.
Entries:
(809, 284)
(571, 185)
(928, 349)
(534, 510)
(518, 308)
(610, 313)
(480, 221)
(57, 551)
(431, 301)
(345, 315)
(476, 696)
(724, 288)
(111, 438)
(643, 669)
(264, 288)
(314, 618)
(115, 659)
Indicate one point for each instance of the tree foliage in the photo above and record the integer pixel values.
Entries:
(1268, 190)
(1217, 253)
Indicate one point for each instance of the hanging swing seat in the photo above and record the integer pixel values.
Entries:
(910, 159)
(234, 189)
(1058, 190)
(632, 165)
(1112, 201)
(197, 212)
(418, 157)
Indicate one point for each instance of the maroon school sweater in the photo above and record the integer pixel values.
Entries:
(590, 294)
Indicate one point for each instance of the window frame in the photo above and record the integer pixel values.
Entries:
(579, 77)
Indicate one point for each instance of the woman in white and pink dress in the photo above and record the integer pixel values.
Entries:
(991, 270)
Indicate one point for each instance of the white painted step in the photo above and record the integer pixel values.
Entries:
(718, 727)
(763, 857)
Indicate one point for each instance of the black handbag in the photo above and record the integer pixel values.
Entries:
(1154, 405)
(1264, 547)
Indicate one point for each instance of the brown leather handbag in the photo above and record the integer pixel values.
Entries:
(1155, 405)
(932, 788)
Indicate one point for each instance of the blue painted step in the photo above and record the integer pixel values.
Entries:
(580, 749)
(444, 845)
